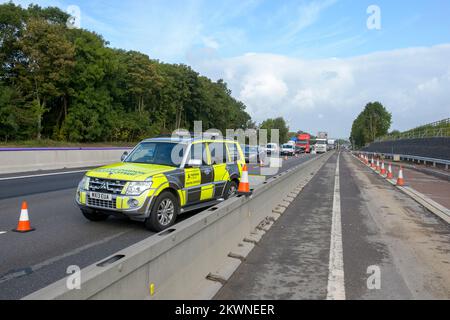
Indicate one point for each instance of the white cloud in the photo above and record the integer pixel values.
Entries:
(328, 94)
(210, 42)
(308, 14)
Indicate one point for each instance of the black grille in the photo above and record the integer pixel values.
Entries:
(107, 204)
(106, 186)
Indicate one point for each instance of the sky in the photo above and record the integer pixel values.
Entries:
(316, 63)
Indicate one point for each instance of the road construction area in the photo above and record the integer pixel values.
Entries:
(350, 234)
(62, 236)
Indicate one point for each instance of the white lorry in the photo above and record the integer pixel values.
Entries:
(331, 144)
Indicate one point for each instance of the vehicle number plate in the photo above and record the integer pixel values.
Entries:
(100, 196)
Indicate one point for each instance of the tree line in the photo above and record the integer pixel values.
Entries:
(373, 122)
(68, 84)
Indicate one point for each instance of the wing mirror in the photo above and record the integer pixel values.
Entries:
(124, 155)
(193, 163)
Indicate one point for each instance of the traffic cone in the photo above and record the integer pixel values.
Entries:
(285, 158)
(24, 221)
(378, 166)
(244, 185)
(400, 180)
(390, 175)
(372, 163)
(383, 169)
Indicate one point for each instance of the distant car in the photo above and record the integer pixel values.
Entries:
(299, 150)
(287, 150)
(272, 148)
(252, 154)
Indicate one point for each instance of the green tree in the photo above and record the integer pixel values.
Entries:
(277, 123)
(69, 85)
(373, 122)
(44, 73)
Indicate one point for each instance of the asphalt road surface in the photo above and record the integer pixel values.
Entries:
(387, 247)
(63, 237)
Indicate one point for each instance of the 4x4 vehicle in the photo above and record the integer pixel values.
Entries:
(162, 178)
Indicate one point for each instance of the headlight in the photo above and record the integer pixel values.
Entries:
(136, 188)
(84, 183)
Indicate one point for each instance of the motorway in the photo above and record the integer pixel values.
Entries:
(63, 237)
(386, 247)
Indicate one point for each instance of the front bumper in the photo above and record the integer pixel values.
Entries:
(131, 206)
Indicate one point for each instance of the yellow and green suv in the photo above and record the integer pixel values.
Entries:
(162, 178)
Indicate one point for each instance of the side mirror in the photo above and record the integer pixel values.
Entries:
(193, 163)
(124, 155)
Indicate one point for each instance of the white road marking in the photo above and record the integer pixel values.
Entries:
(3, 232)
(36, 267)
(336, 284)
(42, 175)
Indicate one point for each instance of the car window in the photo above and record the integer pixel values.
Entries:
(199, 151)
(233, 153)
(218, 152)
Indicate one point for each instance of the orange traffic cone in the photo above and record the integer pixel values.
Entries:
(372, 163)
(378, 166)
(400, 180)
(244, 185)
(383, 169)
(390, 175)
(24, 221)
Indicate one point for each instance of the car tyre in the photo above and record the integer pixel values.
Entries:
(231, 189)
(164, 212)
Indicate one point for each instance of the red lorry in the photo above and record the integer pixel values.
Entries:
(303, 142)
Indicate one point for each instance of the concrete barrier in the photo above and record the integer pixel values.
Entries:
(31, 159)
(177, 262)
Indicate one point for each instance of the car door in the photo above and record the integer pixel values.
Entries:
(218, 154)
(199, 180)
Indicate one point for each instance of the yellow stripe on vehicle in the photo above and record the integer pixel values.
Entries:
(221, 172)
(207, 192)
(182, 195)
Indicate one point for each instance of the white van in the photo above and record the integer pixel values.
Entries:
(272, 148)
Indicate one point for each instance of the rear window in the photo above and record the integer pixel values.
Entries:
(233, 152)
(218, 152)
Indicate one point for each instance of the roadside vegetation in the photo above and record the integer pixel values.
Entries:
(373, 122)
(436, 129)
(68, 85)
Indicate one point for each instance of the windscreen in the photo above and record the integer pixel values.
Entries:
(162, 153)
